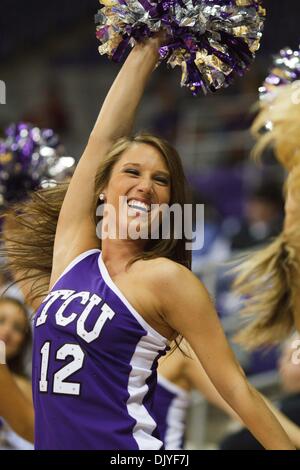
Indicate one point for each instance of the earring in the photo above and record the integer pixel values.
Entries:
(102, 197)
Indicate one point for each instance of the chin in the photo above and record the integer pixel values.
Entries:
(11, 353)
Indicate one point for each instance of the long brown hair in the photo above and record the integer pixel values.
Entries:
(30, 227)
(268, 278)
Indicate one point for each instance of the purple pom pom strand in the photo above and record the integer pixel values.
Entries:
(285, 70)
(213, 41)
(28, 156)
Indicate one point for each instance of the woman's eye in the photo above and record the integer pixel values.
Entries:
(132, 171)
(162, 180)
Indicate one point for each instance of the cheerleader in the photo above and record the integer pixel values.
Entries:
(111, 306)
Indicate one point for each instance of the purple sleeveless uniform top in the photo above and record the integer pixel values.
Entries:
(171, 404)
(94, 365)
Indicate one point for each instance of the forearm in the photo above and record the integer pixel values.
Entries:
(292, 430)
(115, 120)
(209, 391)
(216, 399)
(118, 112)
(14, 407)
(259, 419)
(199, 380)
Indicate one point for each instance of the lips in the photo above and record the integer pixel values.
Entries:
(139, 206)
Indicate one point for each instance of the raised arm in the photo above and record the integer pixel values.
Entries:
(76, 231)
(190, 312)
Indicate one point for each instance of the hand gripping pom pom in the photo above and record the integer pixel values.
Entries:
(28, 156)
(211, 40)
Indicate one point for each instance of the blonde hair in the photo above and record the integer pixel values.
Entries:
(281, 115)
(267, 279)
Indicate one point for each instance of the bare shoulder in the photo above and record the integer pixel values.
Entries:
(164, 270)
(176, 289)
(167, 277)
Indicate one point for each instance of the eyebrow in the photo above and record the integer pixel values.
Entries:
(163, 172)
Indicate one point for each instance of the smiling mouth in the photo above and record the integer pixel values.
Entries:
(139, 206)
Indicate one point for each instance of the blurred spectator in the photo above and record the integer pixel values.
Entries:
(15, 331)
(216, 247)
(51, 113)
(262, 218)
(289, 405)
(224, 187)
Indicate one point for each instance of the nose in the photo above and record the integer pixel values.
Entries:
(145, 187)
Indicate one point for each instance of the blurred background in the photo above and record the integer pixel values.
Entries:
(56, 78)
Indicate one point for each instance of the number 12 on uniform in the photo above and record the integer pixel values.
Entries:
(60, 385)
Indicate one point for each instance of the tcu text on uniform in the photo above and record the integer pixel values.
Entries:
(89, 302)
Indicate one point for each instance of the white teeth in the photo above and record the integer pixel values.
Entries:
(138, 205)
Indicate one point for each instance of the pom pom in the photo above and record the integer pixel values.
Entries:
(29, 155)
(211, 40)
(284, 71)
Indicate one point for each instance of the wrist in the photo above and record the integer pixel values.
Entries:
(149, 49)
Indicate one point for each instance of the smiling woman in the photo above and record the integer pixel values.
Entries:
(144, 164)
(110, 307)
(141, 169)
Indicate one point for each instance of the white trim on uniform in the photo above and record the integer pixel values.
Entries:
(108, 280)
(74, 262)
(141, 363)
(176, 416)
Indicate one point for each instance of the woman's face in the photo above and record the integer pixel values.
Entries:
(142, 177)
(13, 327)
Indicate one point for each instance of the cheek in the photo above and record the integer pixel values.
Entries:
(164, 195)
(118, 187)
(6, 329)
(17, 338)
